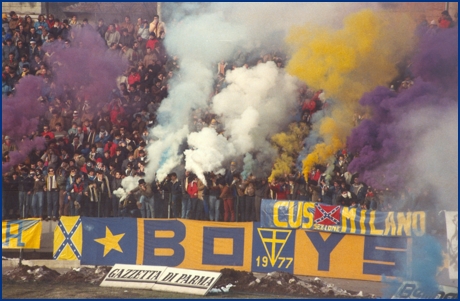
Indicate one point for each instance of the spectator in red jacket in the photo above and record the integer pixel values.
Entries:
(116, 109)
(309, 107)
(111, 148)
(134, 77)
(151, 42)
(445, 21)
(47, 132)
(281, 189)
(314, 176)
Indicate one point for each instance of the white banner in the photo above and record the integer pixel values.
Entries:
(186, 281)
(415, 290)
(133, 276)
(452, 242)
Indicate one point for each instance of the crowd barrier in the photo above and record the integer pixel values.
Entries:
(212, 246)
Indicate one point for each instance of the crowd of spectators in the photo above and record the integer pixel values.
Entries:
(88, 153)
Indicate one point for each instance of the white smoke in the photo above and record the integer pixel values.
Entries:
(435, 157)
(208, 151)
(254, 106)
(129, 183)
(121, 194)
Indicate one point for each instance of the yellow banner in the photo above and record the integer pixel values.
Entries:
(68, 237)
(337, 255)
(22, 234)
(195, 244)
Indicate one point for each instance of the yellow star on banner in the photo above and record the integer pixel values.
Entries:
(110, 241)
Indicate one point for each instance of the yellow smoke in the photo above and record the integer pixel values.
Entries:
(289, 145)
(346, 63)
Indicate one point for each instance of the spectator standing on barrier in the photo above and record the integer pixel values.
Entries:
(370, 202)
(52, 194)
(347, 198)
(249, 195)
(314, 176)
(291, 193)
(146, 198)
(300, 189)
(326, 194)
(26, 183)
(185, 195)
(206, 197)
(192, 190)
(230, 172)
(114, 185)
(237, 188)
(199, 209)
(227, 196)
(176, 195)
(62, 177)
(359, 189)
(91, 207)
(162, 199)
(75, 196)
(157, 198)
(315, 192)
(335, 192)
(262, 192)
(71, 178)
(280, 188)
(39, 190)
(105, 194)
(12, 196)
(214, 201)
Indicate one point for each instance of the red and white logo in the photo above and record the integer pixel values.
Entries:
(326, 214)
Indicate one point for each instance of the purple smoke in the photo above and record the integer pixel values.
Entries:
(437, 61)
(386, 142)
(20, 118)
(87, 63)
(24, 148)
(20, 112)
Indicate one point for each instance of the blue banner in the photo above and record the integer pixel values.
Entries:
(107, 241)
(316, 216)
(272, 250)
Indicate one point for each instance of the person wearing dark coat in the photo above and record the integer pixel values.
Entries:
(126, 39)
(347, 198)
(262, 192)
(130, 207)
(116, 184)
(26, 186)
(101, 28)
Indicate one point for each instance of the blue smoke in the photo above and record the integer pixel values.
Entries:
(422, 266)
